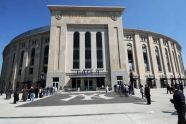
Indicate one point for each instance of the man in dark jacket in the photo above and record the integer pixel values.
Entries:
(179, 104)
(147, 94)
(16, 96)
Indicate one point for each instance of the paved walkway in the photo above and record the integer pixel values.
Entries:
(161, 111)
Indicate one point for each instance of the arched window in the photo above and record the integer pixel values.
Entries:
(13, 59)
(176, 64)
(21, 62)
(21, 59)
(145, 58)
(76, 51)
(99, 50)
(130, 57)
(158, 58)
(167, 58)
(87, 50)
(32, 57)
(45, 59)
(46, 50)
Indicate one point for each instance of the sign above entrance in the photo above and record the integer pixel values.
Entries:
(87, 73)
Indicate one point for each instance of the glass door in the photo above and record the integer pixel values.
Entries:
(88, 84)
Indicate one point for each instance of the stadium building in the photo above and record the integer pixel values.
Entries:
(85, 48)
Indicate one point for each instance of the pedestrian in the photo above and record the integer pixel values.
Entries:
(168, 88)
(40, 92)
(32, 93)
(36, 92)
(25, 94)
(16, 96)
(179, 104)
(142, 91)
(147, 94)
(51, 90)
(107, 89)
(126, 90)
(181, 87)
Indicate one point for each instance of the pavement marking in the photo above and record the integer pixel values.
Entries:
(88, 97)
(105, 97)
(68, 99)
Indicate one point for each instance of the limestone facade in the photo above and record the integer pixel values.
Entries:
(87, 48)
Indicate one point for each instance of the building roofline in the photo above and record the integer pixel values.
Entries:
(153, 33)
(82, 8)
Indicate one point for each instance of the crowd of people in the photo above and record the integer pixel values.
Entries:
(173, 86)
(31, 93)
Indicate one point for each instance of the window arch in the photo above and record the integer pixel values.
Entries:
(76, 50)
(45, 59)
(130, 57)
(87, 50)
(158, 58)
(32, 57)
(167, 58)
(99, 47)
(176, 64)
(13, 59)
(21, 62)
(21, 59)
(145, 57)
(46, 51)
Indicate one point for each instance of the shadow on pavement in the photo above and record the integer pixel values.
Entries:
(170, 112)
(56, 116)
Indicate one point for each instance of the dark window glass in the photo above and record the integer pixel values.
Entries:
(55, 79)
(21, 59)
(45, 69)
(130, 57)
(99, 54)
(12, 64)
(20, 71)
(100, 82)
(176, 64)
(167, 58)
(99, 64)
(88, 54)
(87, 50)
(31, 71)
(99, 50)
(45, 62)
(145, 58)
(76, 50)
(158, 58)
(32, 56)
(76, 55)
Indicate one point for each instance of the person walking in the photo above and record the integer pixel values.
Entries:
(142, 91)
(40, 92)
(126, 90)
(181, 87)
(16, 96)
(147, 94)
(32, 92)
(25, 94)
(179, 104)
(107, 89)
(168, 88)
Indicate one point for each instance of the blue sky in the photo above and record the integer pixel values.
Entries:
(167, 17)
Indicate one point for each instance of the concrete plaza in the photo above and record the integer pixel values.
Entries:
(161, 111)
